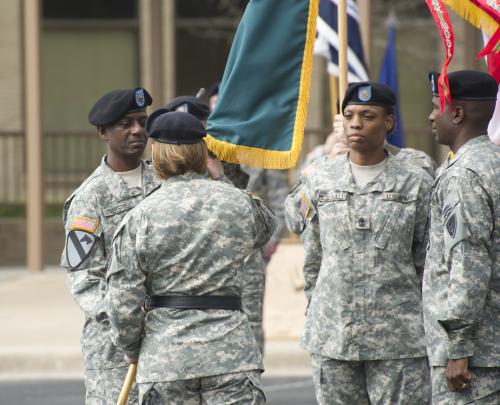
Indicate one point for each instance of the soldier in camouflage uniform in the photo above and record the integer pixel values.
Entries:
(293, 217)
(365, 252)
(461, 288)
(272, 187)
(183, 248)
(91, 215)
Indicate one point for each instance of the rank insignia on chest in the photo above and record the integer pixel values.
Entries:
(78, 246)
(362, 222)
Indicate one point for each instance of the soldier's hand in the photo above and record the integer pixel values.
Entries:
(269, 249)
(214, 167)
(130, 360)
(340, 146)
(458, 375)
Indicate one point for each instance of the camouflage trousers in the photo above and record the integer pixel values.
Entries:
(234, 388)
(254, 283)
(103, 386)
(484, 389)
(377, 382)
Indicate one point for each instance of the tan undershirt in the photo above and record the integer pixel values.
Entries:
(364, 174)
(133, 177)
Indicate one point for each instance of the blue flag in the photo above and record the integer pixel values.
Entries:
(327, 40)
(389, 76)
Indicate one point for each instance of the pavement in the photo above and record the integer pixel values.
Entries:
(41, 323)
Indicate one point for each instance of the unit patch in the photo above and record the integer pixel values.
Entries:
(140, 98)
(365, 93)
(451, 225)
(85, 224)
(78, 246)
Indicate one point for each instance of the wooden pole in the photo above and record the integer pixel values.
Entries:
(334, 95)
(169, 50)
(33, 135)
(365, 13)
(127, 385)
(343, 68)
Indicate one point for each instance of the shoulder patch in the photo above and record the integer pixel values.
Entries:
(305, 206)
(85, 224)
(78, 247)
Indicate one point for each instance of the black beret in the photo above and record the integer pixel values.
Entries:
(189, 104)
(175, 127)
(115, 104)
(213, 90)
(468, 85)
(369, 93)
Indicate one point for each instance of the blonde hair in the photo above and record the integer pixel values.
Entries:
(171, 159)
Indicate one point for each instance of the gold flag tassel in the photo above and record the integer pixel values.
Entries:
(474, 15)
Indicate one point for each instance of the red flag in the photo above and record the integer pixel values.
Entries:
(492, 53)
(438, 11)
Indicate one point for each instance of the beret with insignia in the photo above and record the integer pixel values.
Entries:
(115, 104)
(191, 105)
(174, 127)
(369, 93)
(468, 85)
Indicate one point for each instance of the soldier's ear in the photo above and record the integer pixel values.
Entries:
(103, 134)
(390, 123)
(458, 114)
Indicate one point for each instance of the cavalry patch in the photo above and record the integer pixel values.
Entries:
(78, 246)
(85, 224)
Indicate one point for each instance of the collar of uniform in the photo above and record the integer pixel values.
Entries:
(386, 181)
(118, 187)
(151, 183)
(189, 175)
(468, 146)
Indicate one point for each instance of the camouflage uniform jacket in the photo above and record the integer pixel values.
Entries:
(188, 238)
(296, 222)
(365, 254)
(461, 288)
(103, 198)
(272, 187)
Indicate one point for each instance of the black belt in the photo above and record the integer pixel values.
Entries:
(193, 302)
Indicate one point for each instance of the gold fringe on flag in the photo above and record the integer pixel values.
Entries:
(269, 159)
(474, 15)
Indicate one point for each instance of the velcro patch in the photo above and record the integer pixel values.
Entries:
(85, 224)
(399, 197)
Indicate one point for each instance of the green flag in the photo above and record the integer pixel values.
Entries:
(261, 111)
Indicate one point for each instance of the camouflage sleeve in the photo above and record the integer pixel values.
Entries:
(312, 245)
(421, 228)
(468, 224)
(277, 189)
(264, 220)
(293, 216)
(84, 255)
(126, 289)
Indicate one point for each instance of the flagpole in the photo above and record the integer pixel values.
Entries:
(342, 25)
(334, 95)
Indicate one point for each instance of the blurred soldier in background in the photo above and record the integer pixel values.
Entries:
(183, 248)
(272, 187)
(365, 247)
(91, 215)
(461, 289)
